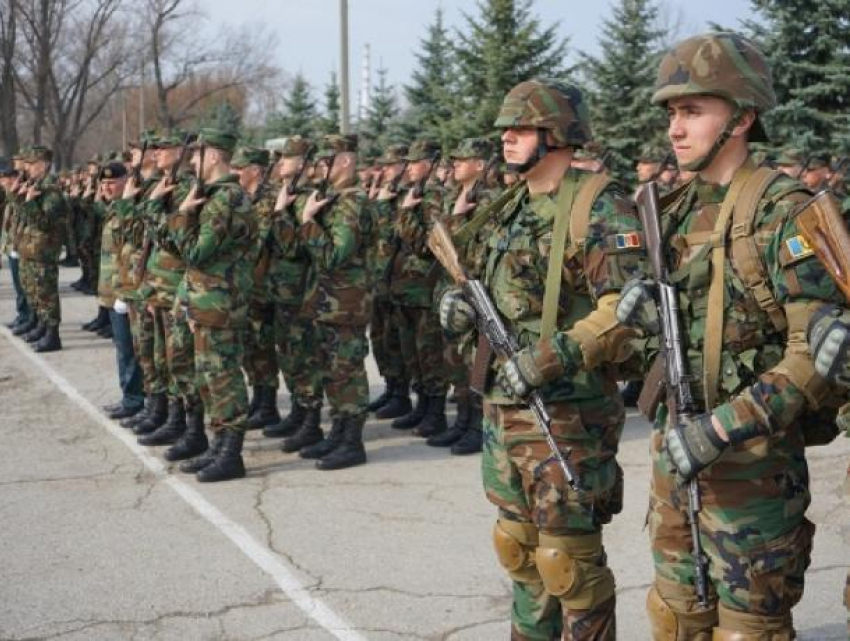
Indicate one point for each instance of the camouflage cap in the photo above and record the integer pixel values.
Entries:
(295, 146)
(790, 156)
(555, 106)
(393, 154)
(170, 138)
(148, 136)
(245, 156)
(819, 160)
(651, 153)
(215, 137)
(113, 170)
(333, 144)
(473, 148)
(422, 149)
(22, 153)
(35, 153)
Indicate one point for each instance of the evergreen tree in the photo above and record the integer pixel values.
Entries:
(328, 123)
(619, 85)
(225, 117)
(375, 132)
(503, 46)
(299, 113)
(808, 45)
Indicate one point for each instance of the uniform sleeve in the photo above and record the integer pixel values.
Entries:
(332, 244)
(199, 244)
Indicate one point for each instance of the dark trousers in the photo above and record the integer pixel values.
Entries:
(129, 372)
(21, 305)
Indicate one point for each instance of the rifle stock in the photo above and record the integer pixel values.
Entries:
(823, 228)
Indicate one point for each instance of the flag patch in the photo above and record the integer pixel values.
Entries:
(628, 241)
(798, 247)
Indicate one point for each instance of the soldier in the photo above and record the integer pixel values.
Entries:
(548, 536)
(336, 231)
(383, 333)
(8, 178)
(217, 238)
(14, 227)
(746, 449)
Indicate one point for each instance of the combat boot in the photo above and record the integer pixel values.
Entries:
(25, 326)
(35, 335)
(350, 451)
(194, 440)
(157, 417)
(308, 434)
(434, 421)
(119, 411)
(140, 416)
(171, 430)
(206, 457)
(472, 439)
(20, 319)
(412, 418)
(265, 413)
(398, 404)
(289, 425)
(50, 342)
(228, 464)
(384, 398)
(327, 444)
(101, 320)
(456, 431)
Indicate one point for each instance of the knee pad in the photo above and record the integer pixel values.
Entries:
(674, 614)
(743, 626)
(515, 542)
(573, 569)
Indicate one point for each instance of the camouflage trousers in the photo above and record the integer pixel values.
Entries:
(26, 272)
(260, 358)
(539, 513)
(218, 371)
(341, 353)
(298, 357)
(752, 528)
(457, 356)
(44, 285)
(421, 343)
(155, 376)
(178, 352)
(384, 339)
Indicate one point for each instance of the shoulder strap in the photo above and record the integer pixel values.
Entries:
(580, 214)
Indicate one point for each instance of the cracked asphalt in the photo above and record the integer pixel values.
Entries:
(94, 545)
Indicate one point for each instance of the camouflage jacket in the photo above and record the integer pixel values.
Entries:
(337, 241)
(41, 225)
(384, 246)
(414, 270)
(264, 215)
(218, 245)
(10, 224)
(106, 279)
(289, 262)
(129, 232)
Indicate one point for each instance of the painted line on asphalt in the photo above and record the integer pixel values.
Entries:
(268, 561)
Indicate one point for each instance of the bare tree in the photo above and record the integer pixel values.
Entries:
(8, 95)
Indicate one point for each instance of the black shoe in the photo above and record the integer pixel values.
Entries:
(111, 407)
(350, 451)
(412, 418)
(265, 413)
(105, 331)
(434, 421)
(132, 421)
(398, 404)
(17, 321)
(455, 432)
(308, 434)
(120, 412)
(171, 430)
(157, 417)
(384, 398)
(289, 425)
(472, 440)
(50, 342)
(101, 320)
(194, 439)
(631, 393)
(327, 444)
(25, 327)
(37, 333)
(198, 463)
(228, 464)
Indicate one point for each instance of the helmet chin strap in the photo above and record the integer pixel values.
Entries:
(538, 155)
(703, 162)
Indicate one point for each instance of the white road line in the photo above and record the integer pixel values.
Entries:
(272, 564)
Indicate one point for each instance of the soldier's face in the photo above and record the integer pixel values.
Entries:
(248, 176)
(418, 170)
(391, 171)
(814, 178)
(646, 170)
(467, 168)
(37, 169)
(694, 124)
(289, 166)
(519, 144)
(165, 157)
(113, 187)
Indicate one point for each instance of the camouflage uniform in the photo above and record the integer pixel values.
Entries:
(755, 495)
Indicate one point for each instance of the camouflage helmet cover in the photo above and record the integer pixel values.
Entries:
(547, 104)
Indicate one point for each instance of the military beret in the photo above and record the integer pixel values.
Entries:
(423, 149)
(217, 138)
(36, 153)
(245, 156)
(393, 154)
(113, 170)
(295, 146)
(473, 148)
(333, 144)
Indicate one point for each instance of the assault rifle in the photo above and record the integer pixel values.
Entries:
(264, 181)
(395, 182)
(137, 168)
(308, 157)
(502, 341)
(419, 188)
(677, 380)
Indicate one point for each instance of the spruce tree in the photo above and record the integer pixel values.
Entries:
(328, 123)
(619, 84)
(299, 113)
(225, 117)
(375, 132)
(501, 47)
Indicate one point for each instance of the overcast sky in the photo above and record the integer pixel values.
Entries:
(309, 29)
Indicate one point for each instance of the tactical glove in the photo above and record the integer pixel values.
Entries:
(520, 374)
(456, 315)
(829, 340)
(637, 308)
(693, 445)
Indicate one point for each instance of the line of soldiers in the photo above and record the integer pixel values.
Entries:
(219, 270)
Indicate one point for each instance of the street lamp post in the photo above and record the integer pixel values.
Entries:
(343, 66)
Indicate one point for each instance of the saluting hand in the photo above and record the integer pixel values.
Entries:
(410, 201)
(284, 198)
(162, 189)
(193, 200)
(314, 206)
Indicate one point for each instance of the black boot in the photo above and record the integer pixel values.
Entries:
(412, 418)
(350, 451)
(435, 418)
(26, 327)
(255, 400)
(50, 342)
(206, 457)
(172, 429)
(308, 434)
(456, 431)
(384, 398)
(105, 331)
(36, 333)
(157, 416)
(288, 425)
(18, 320)
(327, 444)
(228, 464)
(265, 413)
(399, 403)
(194, 439)
(101, 320)
(144, 413)
(472, 439)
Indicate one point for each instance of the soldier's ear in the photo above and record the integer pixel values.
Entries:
(745, 123)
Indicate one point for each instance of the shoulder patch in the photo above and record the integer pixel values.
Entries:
(798, 247)
(628, 241)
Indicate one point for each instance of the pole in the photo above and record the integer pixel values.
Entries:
(343, 66)
(124, 118)
(142, 101)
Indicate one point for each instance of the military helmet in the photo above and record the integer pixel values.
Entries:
(547, 104)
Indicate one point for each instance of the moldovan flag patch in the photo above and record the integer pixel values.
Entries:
(798, 247)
